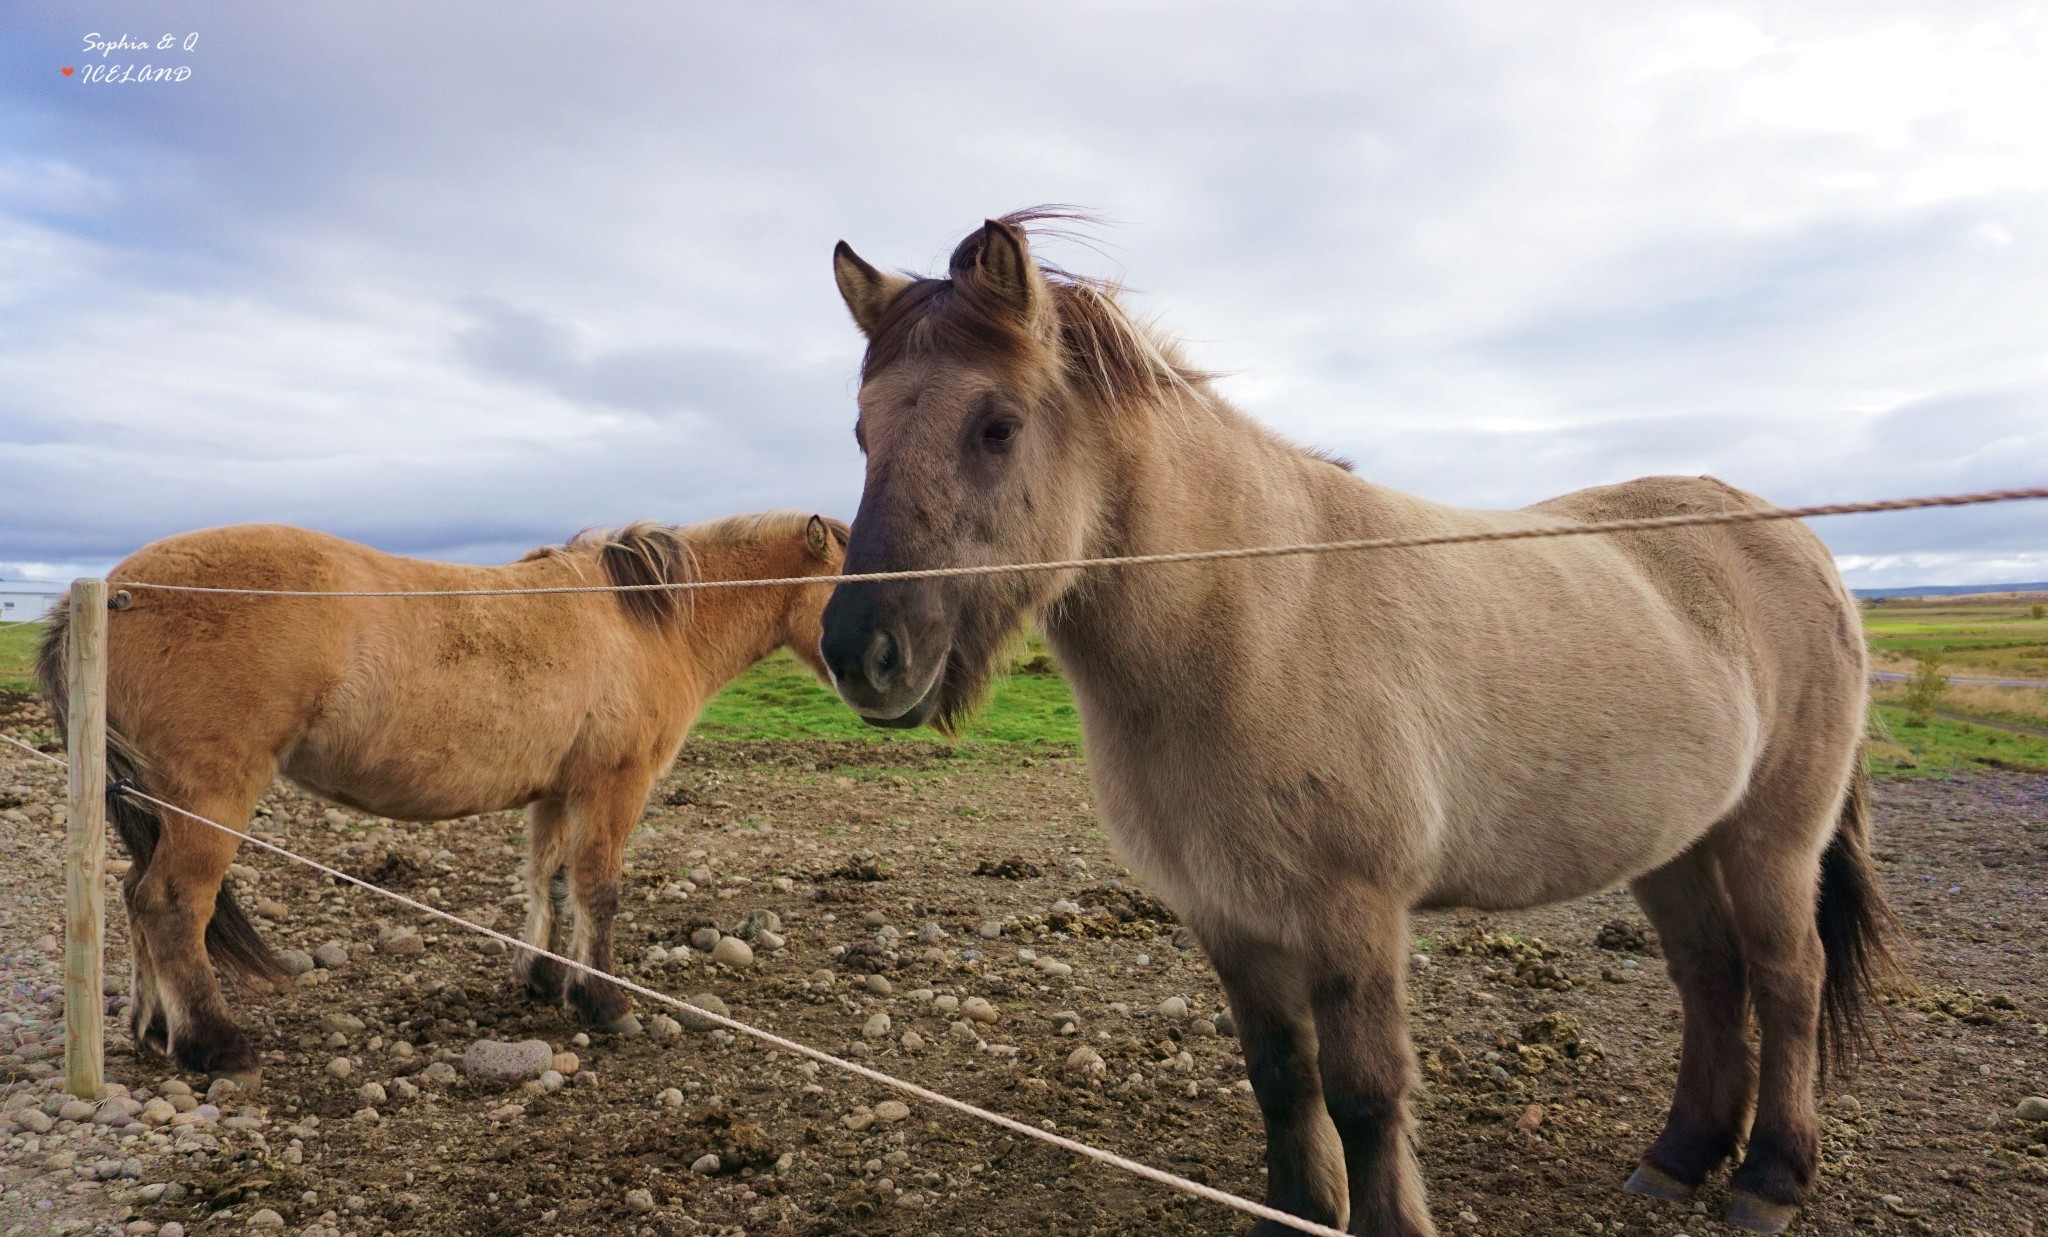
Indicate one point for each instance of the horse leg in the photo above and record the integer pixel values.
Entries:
(147, 1022)
(547, 848)
(1366, 1062)
(1269, 1000)
(1772, 887)
(1688, 904)
(597, 851)
(170, 908)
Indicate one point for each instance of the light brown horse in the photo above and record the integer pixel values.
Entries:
(1296, 752)
(570, 705)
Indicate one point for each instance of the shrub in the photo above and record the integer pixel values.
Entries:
(1926, 687)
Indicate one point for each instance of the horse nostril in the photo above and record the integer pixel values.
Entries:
(883, 658)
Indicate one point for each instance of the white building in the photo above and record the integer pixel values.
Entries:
(25, 602)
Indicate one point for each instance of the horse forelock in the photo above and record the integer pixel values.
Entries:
(1104, 350)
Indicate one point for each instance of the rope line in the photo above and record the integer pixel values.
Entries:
(1752, 515)
(1155, 1175)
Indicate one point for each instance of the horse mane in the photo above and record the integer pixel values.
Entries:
(1110, 354)
(641, 553)
(645, 552)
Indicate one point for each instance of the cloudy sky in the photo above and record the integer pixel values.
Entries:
(459, 279)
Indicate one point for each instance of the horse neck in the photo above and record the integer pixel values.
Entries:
(1204, 478)
(729, 629)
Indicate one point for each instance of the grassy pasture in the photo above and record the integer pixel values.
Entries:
(18, 643)
(1992, 636)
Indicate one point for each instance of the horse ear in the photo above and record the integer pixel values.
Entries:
(867, 291)
(819, 536)
(996, 262)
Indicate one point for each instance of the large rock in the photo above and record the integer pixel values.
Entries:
(488, 1058)
(703, 1000)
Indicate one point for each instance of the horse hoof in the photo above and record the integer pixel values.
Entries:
(247, 1081)
(628, 1026)
(1755, 1214)
(1653, 1182)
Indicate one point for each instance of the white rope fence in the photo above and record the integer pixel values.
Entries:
(1134, 1167)
(1692, 519)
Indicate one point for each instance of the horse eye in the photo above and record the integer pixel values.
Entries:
(998, 434)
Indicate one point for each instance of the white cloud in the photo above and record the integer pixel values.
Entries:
(461, 279)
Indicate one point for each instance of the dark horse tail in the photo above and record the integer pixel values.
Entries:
(231, 939)
(1856, 927)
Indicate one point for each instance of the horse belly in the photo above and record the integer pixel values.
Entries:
(412, 764)
(1616, 810)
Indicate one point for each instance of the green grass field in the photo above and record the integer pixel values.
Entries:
(1993, 636)
(779, 699)
(18, 643)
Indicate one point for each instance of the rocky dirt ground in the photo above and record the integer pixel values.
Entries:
(958, 920)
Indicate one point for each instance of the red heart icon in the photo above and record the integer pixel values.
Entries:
(66, 70)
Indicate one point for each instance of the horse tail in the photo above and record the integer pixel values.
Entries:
(1857, 928)
(231, 939)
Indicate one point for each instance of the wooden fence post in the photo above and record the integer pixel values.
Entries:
(85, 850)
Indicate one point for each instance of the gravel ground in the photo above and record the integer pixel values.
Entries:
(960, 921)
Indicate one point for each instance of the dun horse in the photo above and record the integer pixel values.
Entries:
(570, 705)
(1297, 752)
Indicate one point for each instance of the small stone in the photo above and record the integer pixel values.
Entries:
(75, 1110)
(1225, 1024)
(670, 1098)
(661, 1026)
(1065, 907)
(931, 933)
(401, 943)
(368, 1116)
(1419, 961)
(890, 1112)
(879, 985)
(639, 1202)
(339, 1068)
(705, 1165)
(876, 1027)
(1531, 1118)
(1085, 1060)
(549, 1081)
(700, 875)
(295, 962)
(1201, 1027)
(655, 956)
(1173, 1009)
(963, 1031)
(1142, 960)
(331, 956)
(770, 941)
(346, 1024)
(116, 1110)
(266, 1219)
(977, 1009)
(272, 909)
(709, 1002)
(510, 1112)
(912, 1041)
(759, 921)
(2032, 1108)
(733, 952)
(566, 1064)
(508, 1062)
(989, 930)
(335, 818)
(171, 1228)
(704, 940)
(946, 1004)
(859, 1119)
(371, 1093)
(34, 1120)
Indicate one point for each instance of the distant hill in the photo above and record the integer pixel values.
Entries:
(1950, 590)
